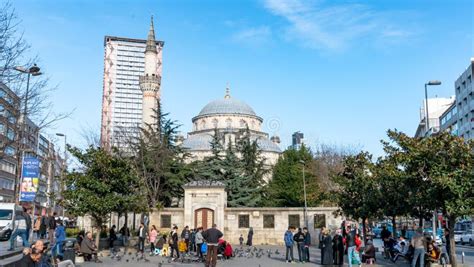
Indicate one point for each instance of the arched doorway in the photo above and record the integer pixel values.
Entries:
(203, 218)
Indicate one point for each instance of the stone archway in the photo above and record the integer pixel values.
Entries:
(204, 218)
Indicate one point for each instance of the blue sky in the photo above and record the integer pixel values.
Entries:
(342, 72)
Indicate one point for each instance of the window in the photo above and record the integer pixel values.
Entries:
(214, 123)
(268, 221)
(244, 221)
(228, 123)
(319, 221)
(165, 221)
(294, 220)
(10, 151)
(10, 134)
(2, 128)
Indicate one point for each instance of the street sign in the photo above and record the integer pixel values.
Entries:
(29, 179)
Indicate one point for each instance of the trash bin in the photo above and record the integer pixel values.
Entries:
(69, 250)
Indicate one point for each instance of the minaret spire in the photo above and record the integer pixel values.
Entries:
(150, 42)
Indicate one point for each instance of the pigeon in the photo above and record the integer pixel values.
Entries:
(277, 252)
(127, 260)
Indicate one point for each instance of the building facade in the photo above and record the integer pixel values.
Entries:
(465, 102)
(32, 143)
(436, 108)
(124, 63)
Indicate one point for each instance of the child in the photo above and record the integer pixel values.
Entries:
(241, 240)
(182, 247)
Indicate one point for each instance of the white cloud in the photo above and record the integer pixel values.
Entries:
(332, 27)
(253, 36)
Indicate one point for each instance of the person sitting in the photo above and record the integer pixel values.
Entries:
(401, 251)
(89, 249)
(228, 253)
(433, 254)
(369, 253)
(35, 256)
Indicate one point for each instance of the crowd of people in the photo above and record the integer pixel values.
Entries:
(39, 229)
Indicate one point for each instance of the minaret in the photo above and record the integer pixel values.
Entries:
(150, 82)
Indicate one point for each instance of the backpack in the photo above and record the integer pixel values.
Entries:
(204, 248)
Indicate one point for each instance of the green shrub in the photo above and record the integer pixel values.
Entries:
(72, 232)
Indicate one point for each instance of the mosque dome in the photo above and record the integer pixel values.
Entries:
(226, 106)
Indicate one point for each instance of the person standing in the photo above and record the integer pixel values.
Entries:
(288, 238)
(418, 243)
(51, 226)
(299, 239)
(29, 222)
(320, 237)
(192, 240)
(326, 256)
(351, 245)
(37, 227)
(307, 243)
(20, 229)
(338, 248)
(385, 235)
(173, 242)
(212, 237)
(199, 241)
(241, 240)
(446, 238)
(152, 238)
(141, 238)
(43, 227)
(125, 233)
(112, 238)
(186, 235)
(250, 237)
(60, 234)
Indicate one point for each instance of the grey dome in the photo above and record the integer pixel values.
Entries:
(227, 105)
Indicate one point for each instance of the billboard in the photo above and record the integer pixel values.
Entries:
(29, 179)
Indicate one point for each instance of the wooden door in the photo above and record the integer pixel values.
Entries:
(203, 218)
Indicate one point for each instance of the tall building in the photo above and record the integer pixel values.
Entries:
(436, 107)
(459, 118)
(297, 139)
(124, 63)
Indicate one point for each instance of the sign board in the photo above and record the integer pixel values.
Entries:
(29, 179)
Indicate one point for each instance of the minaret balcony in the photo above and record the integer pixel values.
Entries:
(150, 83)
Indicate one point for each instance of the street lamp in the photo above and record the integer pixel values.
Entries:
(35, 71)
(64, 163)
(432, 82)
(304, 192)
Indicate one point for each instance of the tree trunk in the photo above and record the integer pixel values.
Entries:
(126, 219)
(97, 236)
(451, 243)
(421, 219)
(394, 227)
(364, 230)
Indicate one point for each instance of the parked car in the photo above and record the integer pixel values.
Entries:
(467, 237)
(7, 218)
(457, 236)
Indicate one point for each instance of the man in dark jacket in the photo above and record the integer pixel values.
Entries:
(212, 237)
(51, 226)
(112, 238)
(173, 242)
(307, 244)
(299, 239)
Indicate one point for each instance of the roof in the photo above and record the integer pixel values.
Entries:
(202, 142)
(204, 183)
(227, 106)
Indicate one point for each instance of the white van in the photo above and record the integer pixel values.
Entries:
(8, 213)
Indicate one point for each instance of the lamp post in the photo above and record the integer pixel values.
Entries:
(31, 71)
(63, 173)
(431, 83)
(304, 192)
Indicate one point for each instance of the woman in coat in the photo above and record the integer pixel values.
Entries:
(152, 238)
(250, 237)
(338, 248)
(326, 252)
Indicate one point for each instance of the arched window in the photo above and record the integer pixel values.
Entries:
(195, 126)
(203, 124)
(214, 123)
(243, 124)
(228, 123)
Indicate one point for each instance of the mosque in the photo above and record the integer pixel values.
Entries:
(229, 117)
